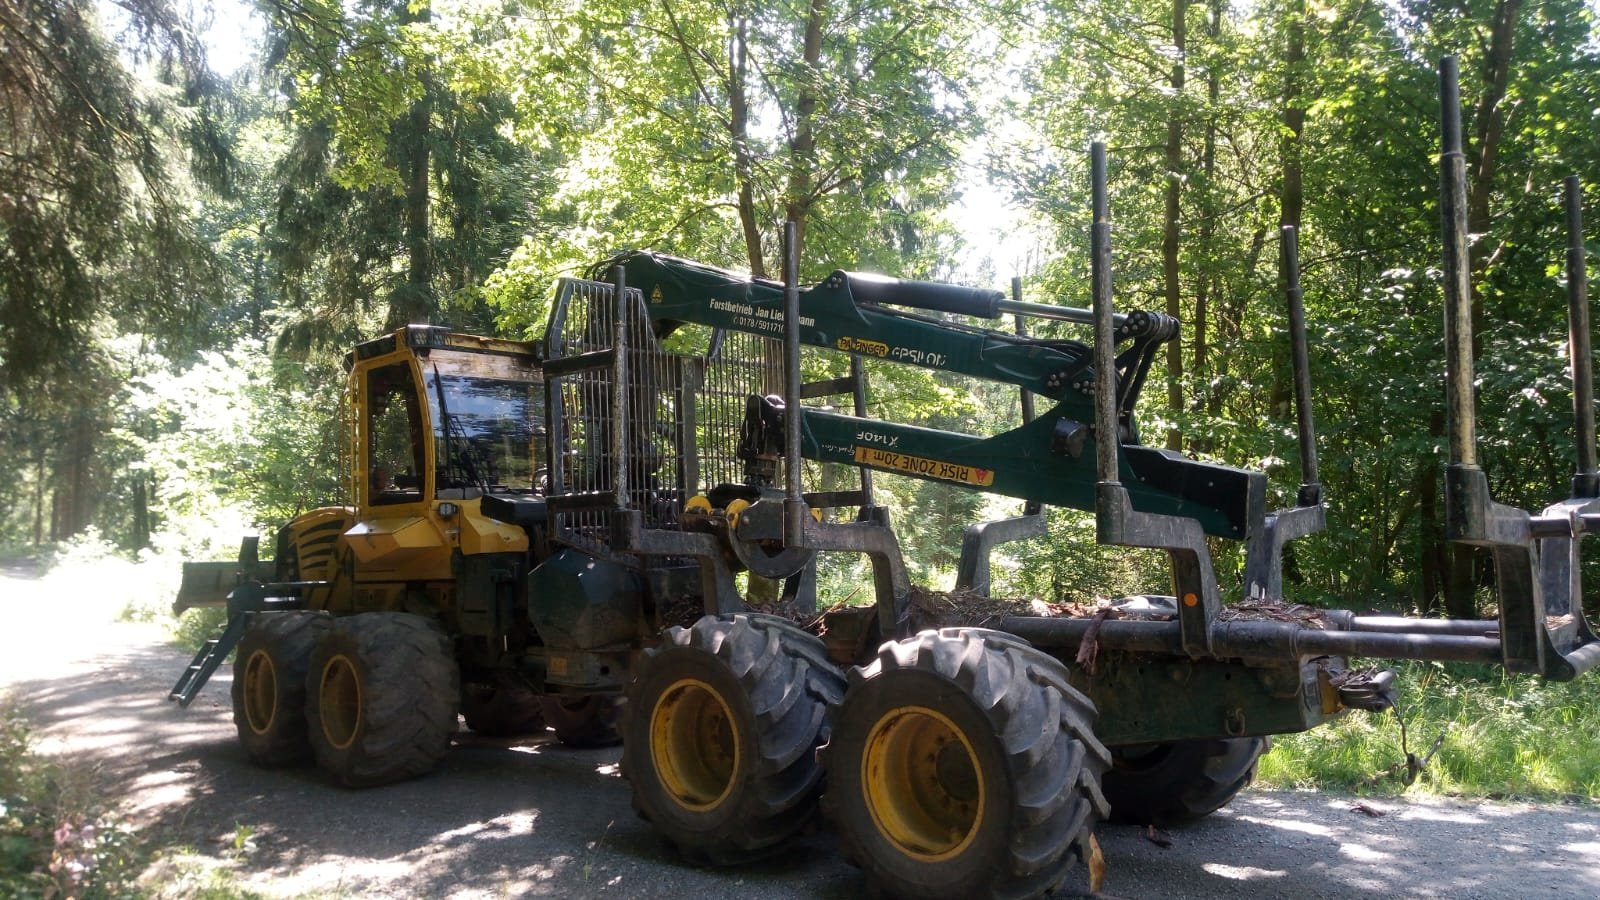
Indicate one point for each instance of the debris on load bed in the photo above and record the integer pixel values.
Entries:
(947, 609)
(1267, 609)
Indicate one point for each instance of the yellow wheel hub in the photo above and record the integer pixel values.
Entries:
(260, 692)
(694, 744)
(923, 785)
(733, 511)
(339, 696)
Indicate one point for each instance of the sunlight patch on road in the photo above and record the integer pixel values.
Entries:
(509, 825)
(1362, 853)
(1242, 873)
(1311, 828)
(1453, 816)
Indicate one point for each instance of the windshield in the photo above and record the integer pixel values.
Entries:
(489, 432)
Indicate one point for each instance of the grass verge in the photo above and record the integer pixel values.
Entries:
(1504, 737)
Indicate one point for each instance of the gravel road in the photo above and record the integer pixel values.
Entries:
(533, 818)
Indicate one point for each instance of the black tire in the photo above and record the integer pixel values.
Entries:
(963, 765)
(720, 730)
(505, 709)
(585, 720)
(381, 698)
(269, 686)
(1179, 781)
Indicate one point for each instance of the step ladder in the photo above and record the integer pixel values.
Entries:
(244, 601)
(207, 659)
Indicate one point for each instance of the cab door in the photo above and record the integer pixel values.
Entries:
(396, 547)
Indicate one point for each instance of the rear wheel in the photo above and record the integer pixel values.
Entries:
(585, 720)
(963, 765)
(1179, 781)
(269, 686)
(720, 732)
(381, 698)
(506, 709)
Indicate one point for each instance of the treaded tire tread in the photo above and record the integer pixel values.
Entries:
(409, 691)
(585, 721)
(784, 685)
(502, 710)
(1041, 732)
(1181, 781)
(288, 637)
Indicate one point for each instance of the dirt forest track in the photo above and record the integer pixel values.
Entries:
(532, 818)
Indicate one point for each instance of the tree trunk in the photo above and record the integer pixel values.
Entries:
(1291, 195)
(140, 539)
(419, 253)
(739, 128)
(38, 494)
(416, 301)
(1208, 226)
(803, 146)
(1431, 548)
(1171, 224)
(73, 507)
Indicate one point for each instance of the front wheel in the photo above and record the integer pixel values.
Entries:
(720, 733)
(963, 765)
(381, 698)
(269, 685)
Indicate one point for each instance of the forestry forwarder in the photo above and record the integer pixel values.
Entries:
(535, 524)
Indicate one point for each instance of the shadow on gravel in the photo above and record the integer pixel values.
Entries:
(511, 818)
(534, 818)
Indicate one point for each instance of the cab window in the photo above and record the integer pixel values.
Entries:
(394, 436)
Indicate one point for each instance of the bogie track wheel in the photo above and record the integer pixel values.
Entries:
(503, 709)
(1179, 781)
(585, 720)
(269, 685)
(381, 698)
(720, 730)
(963, 765)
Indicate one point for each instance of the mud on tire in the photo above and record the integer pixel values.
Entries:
(1179, 781)
(269, 685)
(963, 765)
(720, 731)
(381, 698)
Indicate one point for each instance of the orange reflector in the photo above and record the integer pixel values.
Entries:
(1190, 600)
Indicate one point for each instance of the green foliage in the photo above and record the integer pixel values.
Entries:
(696, 128)
(1366, 85)
(1068, 566)
(1504, 736)
(402, 188)
(92, 186)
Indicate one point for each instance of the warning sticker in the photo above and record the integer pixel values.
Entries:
(923, 467)
(859, 345)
